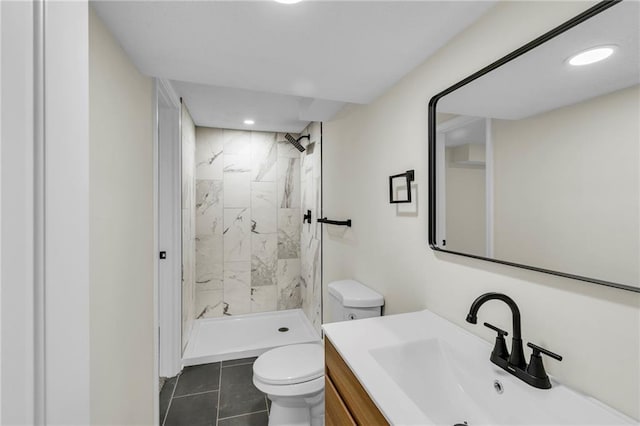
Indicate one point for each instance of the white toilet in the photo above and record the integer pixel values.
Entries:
(293, 376)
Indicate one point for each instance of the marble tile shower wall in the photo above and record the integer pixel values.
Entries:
(311, 234)
(248, 223)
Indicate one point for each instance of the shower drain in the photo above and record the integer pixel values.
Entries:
(283, 329)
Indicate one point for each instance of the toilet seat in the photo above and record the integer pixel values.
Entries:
(295, 390)
(290, 365)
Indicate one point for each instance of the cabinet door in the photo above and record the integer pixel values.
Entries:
(336, 413)
(363, 410)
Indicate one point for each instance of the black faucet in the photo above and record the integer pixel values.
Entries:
(517, 353)
(533, 374)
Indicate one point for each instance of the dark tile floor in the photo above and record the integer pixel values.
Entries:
(217, 394)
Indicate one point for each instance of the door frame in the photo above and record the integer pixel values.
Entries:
(441, 224)
(44, 209)
(168, 230)
(21, 209)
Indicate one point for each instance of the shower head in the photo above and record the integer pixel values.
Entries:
(296, 142)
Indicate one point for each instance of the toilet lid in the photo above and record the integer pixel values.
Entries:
(290, 364)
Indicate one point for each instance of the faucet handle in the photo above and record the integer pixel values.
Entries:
(537, 350)
(500, 351)
(501, 332)
(535, 369)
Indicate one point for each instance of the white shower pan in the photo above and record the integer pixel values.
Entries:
(242, 336)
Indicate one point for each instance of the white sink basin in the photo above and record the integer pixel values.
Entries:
(451, 388)
(421, 369)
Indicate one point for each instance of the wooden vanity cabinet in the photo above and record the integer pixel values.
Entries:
(346, 401)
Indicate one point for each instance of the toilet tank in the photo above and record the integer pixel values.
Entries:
(351, 300)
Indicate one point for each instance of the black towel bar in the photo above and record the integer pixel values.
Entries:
(335, 222)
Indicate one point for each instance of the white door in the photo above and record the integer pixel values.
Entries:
(169, 231)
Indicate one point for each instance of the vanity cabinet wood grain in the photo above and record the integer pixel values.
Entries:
(336, 412)
(346, 401)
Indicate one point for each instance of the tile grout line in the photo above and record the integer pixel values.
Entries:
(166, 414)
(267, 403)
(219, 393)
(236, 365)
(194, 394)
(245, 414)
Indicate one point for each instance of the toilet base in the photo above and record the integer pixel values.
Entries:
(297, 411)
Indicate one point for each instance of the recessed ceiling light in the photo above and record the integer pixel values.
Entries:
(249, 122)
(288, 1)
(591, 56)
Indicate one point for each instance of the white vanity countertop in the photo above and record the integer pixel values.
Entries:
(466, 385)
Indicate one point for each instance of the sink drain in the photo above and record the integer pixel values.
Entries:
(461, 424)
(283, 329)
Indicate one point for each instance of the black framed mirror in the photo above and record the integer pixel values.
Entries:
(534, 161)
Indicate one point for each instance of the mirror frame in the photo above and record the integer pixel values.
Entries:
(589, 13)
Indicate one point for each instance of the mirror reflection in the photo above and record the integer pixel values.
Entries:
(537, 161)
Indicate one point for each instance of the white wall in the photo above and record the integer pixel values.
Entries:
(596, 328)
(121, 234)
(565, 167)
(465, 206)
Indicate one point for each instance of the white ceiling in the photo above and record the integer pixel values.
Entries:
(472, 132)
(223, 107)
(321, 54)
(541, 80)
